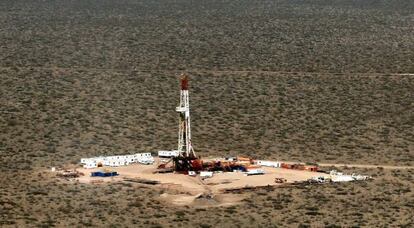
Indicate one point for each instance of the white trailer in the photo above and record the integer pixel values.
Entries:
(146, 160)
(168, 153)
(342, 178)
(251, 172)
(206, 174)
(269, 163)
(90, 165)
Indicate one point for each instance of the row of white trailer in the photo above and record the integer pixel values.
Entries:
(121, 160)
(117, 160)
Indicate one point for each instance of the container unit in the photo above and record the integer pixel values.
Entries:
(342, 178)
(168, 153)
(251, 172)
(146, 160)
(269, 163)
(206, 174)
(311, 168)
(130, 158)
(103, 174)
(90, 165)
(146, 155)
(299, 166)
(106, 162)
(116, 163)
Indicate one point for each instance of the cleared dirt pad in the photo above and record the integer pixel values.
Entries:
(187, 190)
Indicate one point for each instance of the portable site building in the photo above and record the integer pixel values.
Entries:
(269, 163)
(206, 174)
(342, 178)
(251, 172)
(92, 160)
(90, 165)
(106, 162)
(146, 160)
(129, 158)
(168, 153)
(142, 156)
(118, 162)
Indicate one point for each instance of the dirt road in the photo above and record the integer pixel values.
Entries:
(195, 70)
(366, 166)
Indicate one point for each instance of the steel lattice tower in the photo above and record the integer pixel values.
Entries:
(184, 133)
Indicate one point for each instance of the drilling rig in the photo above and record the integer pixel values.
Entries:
(186, 159)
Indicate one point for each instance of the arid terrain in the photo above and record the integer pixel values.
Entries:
(310, 81)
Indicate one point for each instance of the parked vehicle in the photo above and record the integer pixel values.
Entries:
(280, 180)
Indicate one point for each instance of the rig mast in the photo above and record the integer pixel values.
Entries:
(185, 148)
(186, 160)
